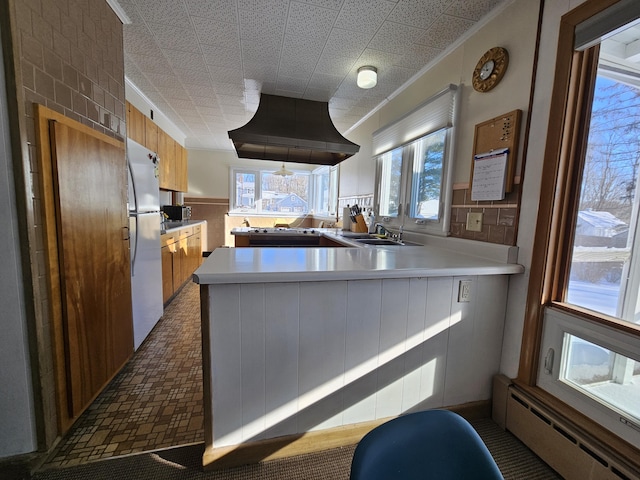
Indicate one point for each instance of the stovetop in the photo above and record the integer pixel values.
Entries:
(282, 231)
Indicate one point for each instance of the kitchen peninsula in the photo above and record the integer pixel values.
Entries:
(333, 340)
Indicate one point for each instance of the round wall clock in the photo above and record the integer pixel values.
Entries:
(490, 69)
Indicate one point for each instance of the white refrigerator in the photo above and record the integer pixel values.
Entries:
(144, 225)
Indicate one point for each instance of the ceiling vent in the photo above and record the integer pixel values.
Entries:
(292, 130)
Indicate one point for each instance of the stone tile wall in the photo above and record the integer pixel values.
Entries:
(499, 220)
(69, 57)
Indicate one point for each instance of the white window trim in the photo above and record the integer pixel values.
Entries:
(440, 111)
(557, 322)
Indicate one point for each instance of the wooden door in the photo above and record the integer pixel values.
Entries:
(90, 189)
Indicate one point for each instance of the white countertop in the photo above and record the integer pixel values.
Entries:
(306, 264)
(170, 226)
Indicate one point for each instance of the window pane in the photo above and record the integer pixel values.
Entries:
(245, 190)
(606, 376)
(603, 273)
(390, 182)
(285, 194)
(427, 176)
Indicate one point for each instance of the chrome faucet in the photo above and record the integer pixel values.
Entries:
(382, 230)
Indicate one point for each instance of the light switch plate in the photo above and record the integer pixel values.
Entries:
(474, 222)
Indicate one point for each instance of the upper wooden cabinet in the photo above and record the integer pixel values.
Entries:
(173, 156)
(150, 134)
(181, 169)
(135, 124)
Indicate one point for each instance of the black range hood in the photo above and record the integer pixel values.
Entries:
(292, 130)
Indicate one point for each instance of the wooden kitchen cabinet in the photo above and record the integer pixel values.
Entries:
(180, 169)
(150, 134)
(181, 256)
(173, 156)
(166, 146)
(135, 124)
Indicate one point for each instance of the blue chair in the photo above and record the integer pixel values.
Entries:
(436, 444)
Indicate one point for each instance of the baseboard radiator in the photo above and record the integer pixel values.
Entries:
(554, 441)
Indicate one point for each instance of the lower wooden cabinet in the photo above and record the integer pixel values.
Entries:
(181, 256)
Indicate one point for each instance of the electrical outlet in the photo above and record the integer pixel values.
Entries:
(474, 222)
(464, 291)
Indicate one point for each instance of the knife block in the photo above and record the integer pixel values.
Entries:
(359, 226)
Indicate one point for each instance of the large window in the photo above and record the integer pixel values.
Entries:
(413, 188)
(261, 192)
(584, 305)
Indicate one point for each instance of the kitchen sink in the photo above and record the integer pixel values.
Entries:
(385, 241)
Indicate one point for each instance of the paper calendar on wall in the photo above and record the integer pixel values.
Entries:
(495, 147)
(489, 175)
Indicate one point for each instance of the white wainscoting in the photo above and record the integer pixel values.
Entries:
(289, 358)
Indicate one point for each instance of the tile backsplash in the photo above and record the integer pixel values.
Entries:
(499, 219)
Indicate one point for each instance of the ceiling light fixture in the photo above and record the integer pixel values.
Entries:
(283, 172)
(367, 76)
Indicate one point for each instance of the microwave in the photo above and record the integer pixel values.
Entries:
(177, 212)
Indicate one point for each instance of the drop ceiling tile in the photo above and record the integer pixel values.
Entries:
(176, 38)
(301, 49)
(233, 110)
(260, 53)
(164, 12)
(138, 39)
(333, 4)
(195, 77)
(339, 66)
(225, 35)
(185, 61)
(150, 64)
(226, 100)
(226, 75)
(418, 13)
(258, 28)
(208, 111)
(182, 105)
(318, 94)
(229, 90)
(222, 57)
(362, 16)
(377, 58)
(472, 9)
(445, 31)
(164, 80)
(291, 85)
(395, 38)
(417, 56)
(325, 82)
(346, 43)
(205, 90)
(305, 19)
(260, 71)
(220, 10)
(206, 101)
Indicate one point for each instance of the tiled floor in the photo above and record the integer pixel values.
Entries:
(154, 402)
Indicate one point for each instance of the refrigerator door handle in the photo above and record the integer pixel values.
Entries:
(134, 189)
(133, 240)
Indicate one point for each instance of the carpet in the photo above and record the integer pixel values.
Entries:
(514, 459)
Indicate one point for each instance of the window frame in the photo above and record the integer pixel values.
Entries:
(566, 143)
(437, 113)
(259, 172)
